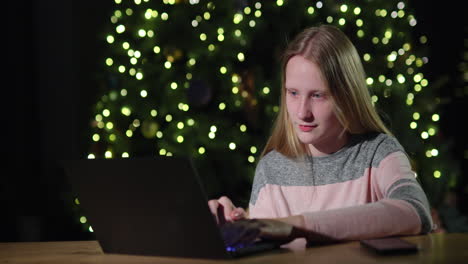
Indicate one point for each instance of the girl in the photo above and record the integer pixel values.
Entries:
(331, 170)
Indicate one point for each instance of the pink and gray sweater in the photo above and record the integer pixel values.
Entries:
(365, 190)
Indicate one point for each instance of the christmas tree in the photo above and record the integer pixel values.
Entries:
(202, 79)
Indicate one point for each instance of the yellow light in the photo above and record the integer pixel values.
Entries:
(435, 117)
(341, 21)
(434, 152)
(417, 78)
(266, 90)
(437, 174)
(329, 19)
(109, 125)
(424, 135)
(369, 81)
(206, 16)
(223, 69)
(431, 131)
(251, 159)
(167, 64)
(247, 10)
(253, 149)
(154, 113)
(222, 106)
(220, 37)
(108, 154)
(417, 88)
(413, 125)
(91, 229)
(240, 56)
(106, 112)
(235, 78)
(112, 137)
(121, 69)
(164, 16)
(141, 33)
(129, 133)
(238, 33)
(375, 98)
(202, 36)
(359, 22)
(213, 129)
(180, 139)
(235, 90)
(232, 146)
(252, 23)
(143, 93)
(83, 219)
(357, 10)
(343, 8)
(109, 62)
(162, 152)
(190, 122)
(120, 29)
(156, 49)
(279, 2)
(180, 125)
(238, 18)
(96, 137)
(211, 135)
(201, 150)
(77, 202)
(310, 10)
(91, 156)
(428, 154)
(125, 155)
(243, 128)
(401, 78)
(139, 76)
(159, 134)
(168, 118)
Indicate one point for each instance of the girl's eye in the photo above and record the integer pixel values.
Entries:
(317, 95)
(293, 93)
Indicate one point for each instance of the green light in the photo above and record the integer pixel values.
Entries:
(159, 134)
(109, 62)
(251, 159)
(343, 8)
(266, 90)
(96, 137)
(357, 11)
(77, 202)
(129, 133)
(162, 152)
(190, 122)
(435, 117)
(109, 125)
(223, 69)
(125, 155)
(180, 139)
(310, 10)
(168, 118)
(180, 125)
(279, 2)
(413, 125)
(240, 56)
(108, 154)
(437, 174)
(154, 113)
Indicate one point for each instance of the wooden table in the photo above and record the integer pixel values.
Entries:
(434, 248)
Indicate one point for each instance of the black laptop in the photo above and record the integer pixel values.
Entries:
(154, 206)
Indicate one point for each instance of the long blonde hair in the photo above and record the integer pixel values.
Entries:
(341, 68)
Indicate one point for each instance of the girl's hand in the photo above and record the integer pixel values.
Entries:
(225, 211)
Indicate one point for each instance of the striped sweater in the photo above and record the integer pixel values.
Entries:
(365, 190)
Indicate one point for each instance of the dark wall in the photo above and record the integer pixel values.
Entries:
(52, 48)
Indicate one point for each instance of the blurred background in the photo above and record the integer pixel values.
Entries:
(118, 79)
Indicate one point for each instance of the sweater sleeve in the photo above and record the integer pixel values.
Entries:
(404, 209)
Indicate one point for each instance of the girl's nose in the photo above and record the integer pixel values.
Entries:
(304, 111)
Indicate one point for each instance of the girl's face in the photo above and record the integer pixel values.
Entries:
(310, 108)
